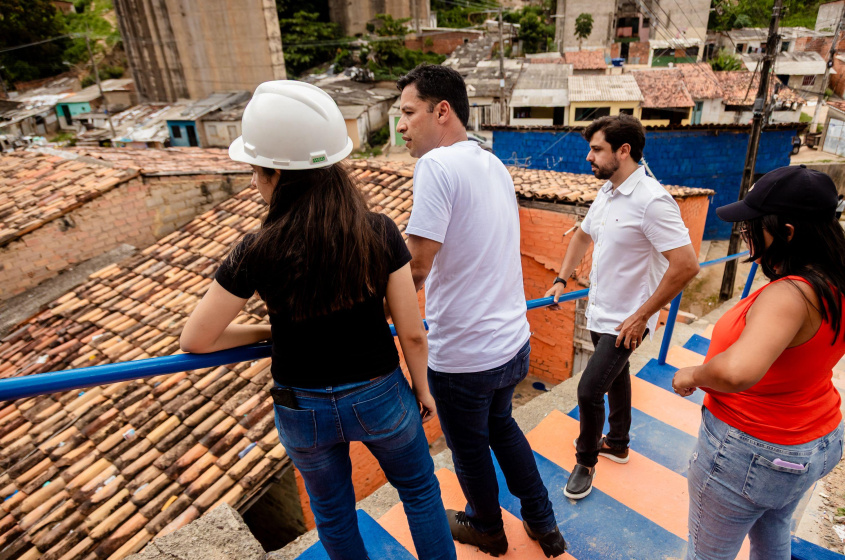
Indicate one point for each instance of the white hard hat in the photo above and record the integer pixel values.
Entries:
(291, 125)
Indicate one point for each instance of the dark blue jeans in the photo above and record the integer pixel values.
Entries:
(475, 413)
(382, 413)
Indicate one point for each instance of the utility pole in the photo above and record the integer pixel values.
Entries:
(502, 103)
(560, 24)
(757, 122)
(831, 54)
(415, 17)
(99, 85)
(3, 84)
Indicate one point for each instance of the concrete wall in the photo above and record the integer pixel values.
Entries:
(835, 170)
(711, 159)
(219, 134)
(137, 212)
(354, 16)
(828, 16)
(191, 48)
(440, 42)
(604, 16)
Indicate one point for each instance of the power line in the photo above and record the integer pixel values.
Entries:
(67, 35)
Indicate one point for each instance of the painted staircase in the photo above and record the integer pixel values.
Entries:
(635, 511)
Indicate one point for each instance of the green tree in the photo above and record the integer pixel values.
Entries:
(29, 21)
(735, 14)
(583, 27)
(304, 39)
(389, 49)
(725, 60)
(536, 31)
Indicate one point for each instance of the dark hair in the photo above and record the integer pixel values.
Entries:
(618, 130)
(816, 253)
(436, 83)
(318, 245)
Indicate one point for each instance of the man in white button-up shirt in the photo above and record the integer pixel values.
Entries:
(642, 258)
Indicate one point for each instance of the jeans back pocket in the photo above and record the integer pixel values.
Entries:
(774, 486)
(381, 414)
(297, 428)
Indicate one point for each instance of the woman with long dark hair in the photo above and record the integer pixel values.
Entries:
(771, 425)
(324, 265)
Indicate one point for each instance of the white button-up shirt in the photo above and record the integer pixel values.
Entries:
(630, 226)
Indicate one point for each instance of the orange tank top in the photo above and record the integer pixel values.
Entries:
(795, 402)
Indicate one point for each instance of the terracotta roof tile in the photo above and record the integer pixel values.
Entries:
(663, 88)
(133, 460)
(167, 160)
(585, 60)
(740, 88)
(700, 80)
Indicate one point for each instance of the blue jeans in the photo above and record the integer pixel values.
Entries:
(475, 413)
(382, 413)
(737, 488)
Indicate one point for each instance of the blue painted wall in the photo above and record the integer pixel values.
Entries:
(710, 159)
(183, 139)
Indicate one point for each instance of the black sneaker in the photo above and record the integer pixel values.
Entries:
(493, 544)
(580, 482)
(552, 543)
(615, 454)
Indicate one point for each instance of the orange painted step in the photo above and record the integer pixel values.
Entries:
(680, 357)
(708, 332)
(521, 546)
(664, 406)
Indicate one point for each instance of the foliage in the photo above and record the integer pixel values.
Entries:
(804, 117)
(583, 27)
(735, 14)
(451, 15)
(29, 21)
(300, 30)
(390, 58)
(380, 136)
(725, 60)
(64, 137)
(536, 30)
(288, 9)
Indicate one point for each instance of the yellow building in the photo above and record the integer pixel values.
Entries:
(591, 97)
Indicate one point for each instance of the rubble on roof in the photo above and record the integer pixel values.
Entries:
(700, 80)
(740, 88)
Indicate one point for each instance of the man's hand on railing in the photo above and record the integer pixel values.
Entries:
(555, 291)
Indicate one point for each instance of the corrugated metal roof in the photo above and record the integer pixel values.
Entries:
(604, 88)
(542, 85)
(799, 63)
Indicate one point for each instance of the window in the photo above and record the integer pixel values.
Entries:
(591, 113)
(740, 48)
(177, 131)
(522, 112)
(212, 130)
(784, 47)
(738, 108)
(233, 131)
(674, 116)
(626, 112)
(808, 81)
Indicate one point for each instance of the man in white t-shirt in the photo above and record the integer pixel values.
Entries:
(464, 239)
(642, 258)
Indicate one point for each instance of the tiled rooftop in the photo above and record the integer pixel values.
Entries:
(100, 472)
(736, 90)
(37, 188)
(586, 60)
(701, 81)
(621, 87)
(167, 161)
(663, 88)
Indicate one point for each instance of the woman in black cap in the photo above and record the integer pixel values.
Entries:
(771, 425)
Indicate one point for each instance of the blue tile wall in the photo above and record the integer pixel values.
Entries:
(711, 159)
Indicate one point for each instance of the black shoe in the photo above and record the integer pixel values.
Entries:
(493, 544)
(615, 454)
(552, 543)
(580, 482)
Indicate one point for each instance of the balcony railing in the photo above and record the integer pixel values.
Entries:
(53, 382)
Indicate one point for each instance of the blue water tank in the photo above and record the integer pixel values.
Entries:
(617, 61)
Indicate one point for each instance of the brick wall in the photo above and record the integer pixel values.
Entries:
(441, 43)
(137, 212)
(705, 158)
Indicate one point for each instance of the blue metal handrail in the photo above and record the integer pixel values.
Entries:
(53, 382)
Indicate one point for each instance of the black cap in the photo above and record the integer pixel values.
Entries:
(794, 191)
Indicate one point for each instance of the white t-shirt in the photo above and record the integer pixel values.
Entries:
(464, 198)
(630, 227)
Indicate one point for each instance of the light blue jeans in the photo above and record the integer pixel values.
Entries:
(739, 485)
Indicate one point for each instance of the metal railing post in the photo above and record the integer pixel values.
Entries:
(749, 280)
(670, 327)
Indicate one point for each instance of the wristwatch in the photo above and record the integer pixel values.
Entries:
(559, 280)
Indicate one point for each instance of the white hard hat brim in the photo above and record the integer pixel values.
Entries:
(238, 153)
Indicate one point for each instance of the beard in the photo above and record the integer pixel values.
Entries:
(605, 172)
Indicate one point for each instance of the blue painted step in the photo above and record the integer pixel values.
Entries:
(380, 544)
(698, 344)
(651, 438)
(802, 550)
(597, 527)
(662, 376)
